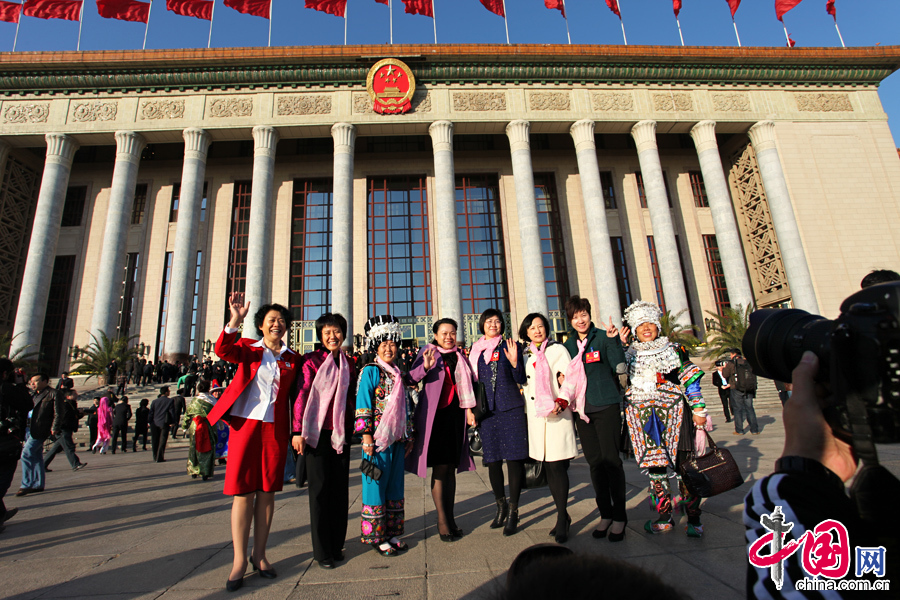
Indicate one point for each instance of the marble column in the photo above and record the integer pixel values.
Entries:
(644, 134)
(107, 296)
(445, 234)
(258, 288)
(526, 206)
(605, 286)
(344, 135)
(731, 249)
(35, 292)
(803, 294)
(184, 259)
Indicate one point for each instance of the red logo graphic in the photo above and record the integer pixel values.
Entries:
(391, 86)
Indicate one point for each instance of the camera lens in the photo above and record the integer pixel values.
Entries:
(778, 337)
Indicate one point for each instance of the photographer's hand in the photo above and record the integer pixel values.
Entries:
(806, 433)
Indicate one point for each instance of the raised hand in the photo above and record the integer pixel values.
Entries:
(238, 309)
(611, 330)
(512, 352)
(623, 335)
(428, 359)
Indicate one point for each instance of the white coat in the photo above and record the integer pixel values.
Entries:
(551, 438)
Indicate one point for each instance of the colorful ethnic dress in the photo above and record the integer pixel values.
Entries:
(201, 452)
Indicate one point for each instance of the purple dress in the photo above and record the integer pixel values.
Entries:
(504, 434)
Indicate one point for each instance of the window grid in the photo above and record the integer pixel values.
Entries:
(73, 208)
(482, 262)
(311, 245)
(716, 273)
(163, 307)
(129, 283)
(639, 177)
(195, 303)
(698, 189)
(622, 283)
(240, 230)
(140, 204)
(399, 255)
(54, 330)
(609, 190)
(556, 280)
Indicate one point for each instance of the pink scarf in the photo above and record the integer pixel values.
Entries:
(483, 346)
(575, 385)
(104, 419)
(392, 426)
(331, 382)
(544, 402)
(463, 376)
(700, 436)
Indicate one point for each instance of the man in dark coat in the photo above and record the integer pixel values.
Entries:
(41, 426)
(121, 416)
(64, 427)
(162, 416)
(14, 406)
(179, 404)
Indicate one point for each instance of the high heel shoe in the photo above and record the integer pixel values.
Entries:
(234, 585)
(563, 536)
(618, 537)
(502, 514)
(264, 573)
(512, 520)
(599, 534)
(568, 521)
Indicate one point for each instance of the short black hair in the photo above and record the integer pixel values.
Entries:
(333, 320)
(489, 313)
(444, 321)
(164, 389)
(145, 402)
(879, 276)
(260, 315)
(42, 375)
(203, 386)
(576, 304)
(526, 323)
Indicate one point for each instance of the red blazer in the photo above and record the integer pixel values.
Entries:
(241, 352)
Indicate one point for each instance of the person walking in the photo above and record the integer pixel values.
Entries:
(162, 414)
(14, 406)
(201, 461)
(141, 424)
(742, 385)
(105, 418)
(121, 415)
(65, 424)
(41, 426)
(724, 388)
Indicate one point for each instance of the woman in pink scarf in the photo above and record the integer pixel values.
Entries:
(322, 426)
(384, 417)
(104, 425)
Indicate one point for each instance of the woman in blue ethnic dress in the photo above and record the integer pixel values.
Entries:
(663, 384)
(500, 366)
(384, 417)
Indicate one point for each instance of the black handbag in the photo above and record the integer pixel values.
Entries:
(369, 469)
(711, 474)
(535, 475)
(481, 410)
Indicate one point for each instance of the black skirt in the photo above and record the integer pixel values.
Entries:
(447, 432)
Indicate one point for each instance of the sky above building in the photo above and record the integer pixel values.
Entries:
(647, 22)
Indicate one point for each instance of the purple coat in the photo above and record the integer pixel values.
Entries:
(417, 461)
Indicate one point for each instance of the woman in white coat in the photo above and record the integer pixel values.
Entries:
(551, 434)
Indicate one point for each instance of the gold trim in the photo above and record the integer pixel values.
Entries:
(377, 98)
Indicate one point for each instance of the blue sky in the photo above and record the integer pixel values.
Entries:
(651, 22)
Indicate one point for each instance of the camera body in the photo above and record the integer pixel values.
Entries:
(859, 356)
(721, 362)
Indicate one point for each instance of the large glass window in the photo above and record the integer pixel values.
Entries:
(482, 264)
(240, 230)
(311, 248)
(618, 251)
(73, 208)
(163, 307)
(399, 257)
(556, 279)
(54, 330)
(609, 190)
(698, 189)
(716, 273)
(126, 307)
(140, 204)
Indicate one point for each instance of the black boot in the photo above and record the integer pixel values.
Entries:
(502, 512)
(512, 523)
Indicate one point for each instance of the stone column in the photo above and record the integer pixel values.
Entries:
(803, 294)
(444, 207)
(526, 206)
(258, 288)
(344, 135)
(644, 134)
(129, 146)
(605, 284)
(740, 292)
(35, 292)
(184, 259)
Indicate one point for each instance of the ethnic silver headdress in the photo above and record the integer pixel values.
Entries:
(642, 312)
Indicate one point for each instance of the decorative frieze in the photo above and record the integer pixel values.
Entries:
(479, 101)
(824, 102)
(166, 108)
(421, 103)
(94, 111)
(550, 101)
(26, 112)
(673, 101)
(612, 101)
(231, 107)
(731, 102)
(304, 104)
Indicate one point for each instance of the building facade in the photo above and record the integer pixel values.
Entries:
(140, 188)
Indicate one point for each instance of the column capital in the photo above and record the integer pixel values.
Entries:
(704, 134)
(441, 133)
(196, 143)
(129, 146)
(762, 135)
(582, 133)
(344, 135)
(517, 131)
(265, 139)
(60, 148)
(644, 134)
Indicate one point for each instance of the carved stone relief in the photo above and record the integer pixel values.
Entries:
(824, 102)
(479, 101)
(95, 111)
(162, 109)
(26, 112)
(231, 107)
(304, 104)
(674, 101)
(550, 101)
(612, 101)
(731, 102)
(420, 103)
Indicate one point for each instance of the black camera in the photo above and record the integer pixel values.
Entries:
(859, 356)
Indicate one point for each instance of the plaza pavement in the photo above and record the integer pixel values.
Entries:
(127, 528)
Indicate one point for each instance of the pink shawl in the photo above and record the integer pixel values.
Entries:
(463, 376)
(575, 385)
(544, 402)
(104, 419)
(483, 346)
(392, 426)
(331, 383)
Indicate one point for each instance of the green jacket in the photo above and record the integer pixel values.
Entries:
(601, 375)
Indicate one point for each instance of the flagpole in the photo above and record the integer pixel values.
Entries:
(736, 34)
(271, 2)
(212, 16)
(19, 22)
(786, 36)
(568, 35)
(681, 35)
(147, 27)
(346, 10)
(391, 11)
(621, 22)
(434, 20)
(80, 21)
(505, 22)
(843, 45)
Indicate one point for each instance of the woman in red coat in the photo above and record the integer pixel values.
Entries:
(256, 406)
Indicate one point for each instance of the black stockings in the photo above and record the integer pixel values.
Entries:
(558, 480)
(443, 492)
(516, 470)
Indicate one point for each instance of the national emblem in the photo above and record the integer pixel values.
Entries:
(391, 86)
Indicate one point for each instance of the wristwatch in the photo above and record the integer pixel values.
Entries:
(808, 466)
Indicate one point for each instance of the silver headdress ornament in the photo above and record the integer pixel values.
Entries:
(642, 312)
(381, 329)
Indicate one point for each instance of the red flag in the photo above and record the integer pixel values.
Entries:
(419, 7)
(734, 4)
(202, 9)
(124, 10)
(676, 6)
(831, 10)
(782, 6)
(791, 41)
(333, 7)
(257, 8)
(10, 11)
(495, 6)
(385, 2)
(70, 10)
(558, 4)
(614, 6)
